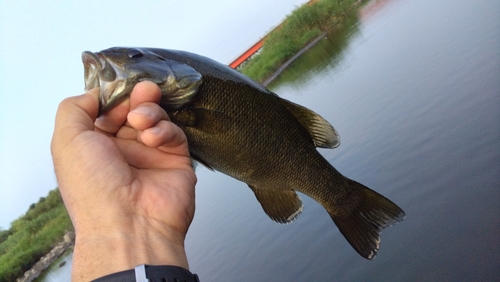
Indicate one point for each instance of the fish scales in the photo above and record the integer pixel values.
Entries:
(238, 127)
(267, 156)
(248, 108)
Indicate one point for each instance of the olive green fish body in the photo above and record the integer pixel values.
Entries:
(274, 155)
(238, 127)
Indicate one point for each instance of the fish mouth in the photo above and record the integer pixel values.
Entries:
(93, 66)
(100, 72)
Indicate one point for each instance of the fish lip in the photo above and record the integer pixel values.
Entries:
(92, 67)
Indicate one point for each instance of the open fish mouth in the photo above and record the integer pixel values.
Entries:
(101, 72)
(93, 66)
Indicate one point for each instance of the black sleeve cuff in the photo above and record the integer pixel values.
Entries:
(154, 273)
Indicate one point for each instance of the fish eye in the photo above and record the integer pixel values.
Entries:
(134, 53)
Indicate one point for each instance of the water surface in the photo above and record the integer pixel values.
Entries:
(57, 272)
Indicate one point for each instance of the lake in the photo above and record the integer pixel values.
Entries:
(413, 88)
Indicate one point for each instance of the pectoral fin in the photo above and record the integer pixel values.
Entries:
(206, 120)
(281, 206)
(321, 131)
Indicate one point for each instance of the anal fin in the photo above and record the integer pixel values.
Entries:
(282, 206)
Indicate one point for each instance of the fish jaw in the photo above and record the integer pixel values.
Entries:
(110, 78)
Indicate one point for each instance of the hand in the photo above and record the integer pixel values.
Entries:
(126, 180)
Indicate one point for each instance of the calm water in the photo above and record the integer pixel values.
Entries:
(413, 88)
(58, 273)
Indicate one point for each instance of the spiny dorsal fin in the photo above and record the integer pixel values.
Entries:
(321, 131)
(281, 206)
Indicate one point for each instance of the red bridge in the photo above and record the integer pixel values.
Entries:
(247, 54)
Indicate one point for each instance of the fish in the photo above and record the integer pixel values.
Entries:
(237, 126)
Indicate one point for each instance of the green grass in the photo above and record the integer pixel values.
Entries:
(32, 236)
(301, 27)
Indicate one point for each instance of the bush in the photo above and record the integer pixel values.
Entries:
(4, 234)
(32, 236)
(301, 27)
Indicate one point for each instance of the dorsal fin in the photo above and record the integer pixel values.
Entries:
(321, 131)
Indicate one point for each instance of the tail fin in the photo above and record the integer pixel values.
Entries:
(363, 224)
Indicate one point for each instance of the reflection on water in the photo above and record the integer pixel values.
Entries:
(326, 54)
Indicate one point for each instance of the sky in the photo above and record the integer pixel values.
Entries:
(40, 64)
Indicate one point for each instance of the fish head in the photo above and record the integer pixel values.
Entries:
(117, 70)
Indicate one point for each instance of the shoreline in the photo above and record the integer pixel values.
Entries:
(308, 46)
(47, 260)
(264, 66)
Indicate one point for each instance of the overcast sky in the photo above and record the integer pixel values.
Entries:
(40, 64)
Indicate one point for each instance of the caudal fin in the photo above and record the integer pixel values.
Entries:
(363, 224)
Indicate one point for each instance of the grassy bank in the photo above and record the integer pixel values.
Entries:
(32, 236)
(302, 26)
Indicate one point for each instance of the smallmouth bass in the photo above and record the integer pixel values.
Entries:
(238, 127)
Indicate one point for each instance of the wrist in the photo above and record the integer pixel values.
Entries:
(96, 256)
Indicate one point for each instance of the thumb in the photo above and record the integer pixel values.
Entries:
(74, 116)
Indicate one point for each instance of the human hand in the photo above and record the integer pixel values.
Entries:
(126, 180)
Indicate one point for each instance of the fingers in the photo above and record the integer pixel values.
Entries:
(154, 127)
(146, 115)
(165, 135)
(150, 125)
(141, 118)
(113, 120)
(145, 91)
(143, 149)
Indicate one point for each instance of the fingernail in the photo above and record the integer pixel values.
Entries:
(143, 111)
